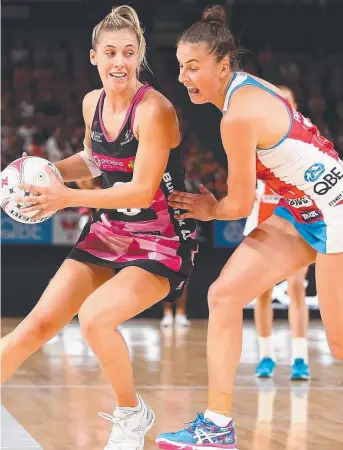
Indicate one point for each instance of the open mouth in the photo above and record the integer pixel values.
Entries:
(117, 75)
(193, 91)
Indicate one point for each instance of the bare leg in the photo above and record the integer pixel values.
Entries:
(61, 300)
(182, 302)
(130, 292)
(329, 270)
(167, 308)
(275, 250)
(298, 314)
(264, 314)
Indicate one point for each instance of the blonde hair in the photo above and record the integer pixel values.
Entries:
(120, 18)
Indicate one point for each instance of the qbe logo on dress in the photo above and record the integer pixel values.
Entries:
(314, 172)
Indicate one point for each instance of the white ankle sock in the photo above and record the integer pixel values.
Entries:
(265, 346)
(300, 349)
(127, 409)
(218, 419)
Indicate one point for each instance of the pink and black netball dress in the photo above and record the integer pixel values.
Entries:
(149, 238)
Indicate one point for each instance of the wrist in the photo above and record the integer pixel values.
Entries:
(71, 198)
(213, 211)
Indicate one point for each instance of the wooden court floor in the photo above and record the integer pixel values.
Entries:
(57, 393)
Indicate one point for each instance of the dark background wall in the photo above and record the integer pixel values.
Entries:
(308, 32)
(26, 271)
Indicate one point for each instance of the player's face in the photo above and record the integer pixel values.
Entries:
(116, 57)
(200, 73)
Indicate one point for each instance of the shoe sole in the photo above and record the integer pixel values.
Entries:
(165, 444)
(264, 375)
(300, 377)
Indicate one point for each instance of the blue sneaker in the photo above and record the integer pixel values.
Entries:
(265, 368)
(201, 434)
(300, 370)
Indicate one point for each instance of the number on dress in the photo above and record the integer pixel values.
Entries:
(128, 211)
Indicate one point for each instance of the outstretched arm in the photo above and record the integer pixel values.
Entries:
(240, 140)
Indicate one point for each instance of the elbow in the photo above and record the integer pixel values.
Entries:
(240, 210)
(145, 199)
(244, 211)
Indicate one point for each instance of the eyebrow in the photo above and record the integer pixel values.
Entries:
(191, 60)
(113, 46)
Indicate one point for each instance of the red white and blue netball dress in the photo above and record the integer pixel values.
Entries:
(306, 172)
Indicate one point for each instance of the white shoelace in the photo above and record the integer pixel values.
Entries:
(119, 433)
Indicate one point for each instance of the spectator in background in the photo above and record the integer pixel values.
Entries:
(19, 53)
(58, 145)
(25, 103)
(26, 131)
(36, 147)
(21, 77)
(180, 320)
(12, 147)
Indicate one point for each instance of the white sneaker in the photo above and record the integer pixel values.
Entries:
(129, 427)
(167, 320)
(181, 321)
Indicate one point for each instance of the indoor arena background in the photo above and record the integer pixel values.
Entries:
(46, 72)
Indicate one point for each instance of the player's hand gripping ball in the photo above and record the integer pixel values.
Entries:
(23, 184)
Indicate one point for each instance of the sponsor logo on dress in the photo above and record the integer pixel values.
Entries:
(310, 215)
(270, 199)
(328, 181)
(96, 136)
(314, 172)
(128, 137)
(299, 202)
(169, 185)
(337, 200)
(111, 164)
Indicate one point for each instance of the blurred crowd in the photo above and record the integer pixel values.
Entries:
(44, 79)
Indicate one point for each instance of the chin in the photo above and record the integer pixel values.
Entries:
(197, 99)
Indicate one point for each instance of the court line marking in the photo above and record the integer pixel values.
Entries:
(175, 388)
(14, 435)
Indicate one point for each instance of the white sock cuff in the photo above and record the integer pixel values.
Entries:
(218, 419)
(300, 349)
(266, 349)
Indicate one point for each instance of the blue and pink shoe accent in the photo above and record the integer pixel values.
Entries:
(201, 434)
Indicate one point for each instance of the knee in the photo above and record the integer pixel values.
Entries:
(43, 329)
(296, 291)
(336, 349)
(92, 321)
(265, 299)
(222, 299)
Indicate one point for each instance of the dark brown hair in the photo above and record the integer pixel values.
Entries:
(213, 30)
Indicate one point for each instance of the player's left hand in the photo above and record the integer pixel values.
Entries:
(198, 206)
(45, 199)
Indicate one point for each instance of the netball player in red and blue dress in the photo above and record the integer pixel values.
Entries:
(264, 138)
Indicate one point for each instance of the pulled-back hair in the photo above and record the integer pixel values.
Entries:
(123, 18)
(213, 31)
